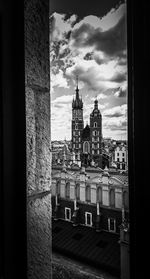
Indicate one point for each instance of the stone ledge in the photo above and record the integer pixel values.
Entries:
(38, 195)
(37, 87)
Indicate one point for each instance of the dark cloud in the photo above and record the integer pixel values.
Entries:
(88, 56)
(112, 42)
(84, 7)
(100, 60)
(121, 93)
(115, 114)
(119, 77)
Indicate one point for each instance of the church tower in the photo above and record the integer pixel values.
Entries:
(77, 124)
(96, 134)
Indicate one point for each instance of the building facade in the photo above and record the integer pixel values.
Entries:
(99, 202)
(121, 157)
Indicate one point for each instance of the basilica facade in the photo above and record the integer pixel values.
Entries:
(86, 141)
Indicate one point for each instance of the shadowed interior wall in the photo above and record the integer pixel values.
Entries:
(37, 86)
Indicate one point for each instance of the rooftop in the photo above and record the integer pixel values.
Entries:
(100, 249)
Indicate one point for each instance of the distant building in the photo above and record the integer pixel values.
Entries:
(121, 157)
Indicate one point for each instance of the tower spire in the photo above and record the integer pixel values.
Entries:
(77, 89)
(77, 81)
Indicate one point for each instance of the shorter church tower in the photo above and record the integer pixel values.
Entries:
(96, 135)
(77, 124)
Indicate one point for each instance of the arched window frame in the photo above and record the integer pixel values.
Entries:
(58, 188)
(126, 205)
(67, 190)
(95, 124)
(112, 203)
(99, 194)
(88, 193)
(77, 191)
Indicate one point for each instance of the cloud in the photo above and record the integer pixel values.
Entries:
(58, 80)
(112, 41)
(61, 120)
(121, 92)
(96, 77)
(63, 99)
(100, 96)
(60, 27)
(116, 111)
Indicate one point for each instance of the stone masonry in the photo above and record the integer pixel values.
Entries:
(37, 86)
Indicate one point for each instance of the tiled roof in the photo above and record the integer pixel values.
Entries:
(122, 178)
(100, 249)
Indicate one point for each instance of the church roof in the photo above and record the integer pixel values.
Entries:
(86, 133)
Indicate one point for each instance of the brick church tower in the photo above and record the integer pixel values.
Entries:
(96, 135)
(77, 124)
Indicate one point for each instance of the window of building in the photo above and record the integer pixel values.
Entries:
(67, 214)
(93, 152)
(79, 145)
(95, 124)
(122, 159)
(95, 133)
(123, 154)
(77, 191)
(117, 159)
(97, 151)
(76, 126)
(74, 133)
(58, 188)
(117, 154)
(112, 197)
(111, 224)
(125, 200)
(99, 194)
(67, 190)
(86, 147)
(123, 166)
(79, 139)
(73, 145)
(88, 218)
(88, 193)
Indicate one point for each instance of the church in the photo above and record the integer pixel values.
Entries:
(86, 141)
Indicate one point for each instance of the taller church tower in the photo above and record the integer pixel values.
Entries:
(77, 124)
(96, 134)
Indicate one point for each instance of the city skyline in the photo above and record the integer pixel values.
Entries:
(94, 48)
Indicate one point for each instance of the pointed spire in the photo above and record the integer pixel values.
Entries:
(96, 103)
(77, 89)
(77, 81)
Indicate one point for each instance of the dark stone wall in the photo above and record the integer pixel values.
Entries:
(37, 87)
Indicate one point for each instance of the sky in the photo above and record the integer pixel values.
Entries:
(92, 46)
